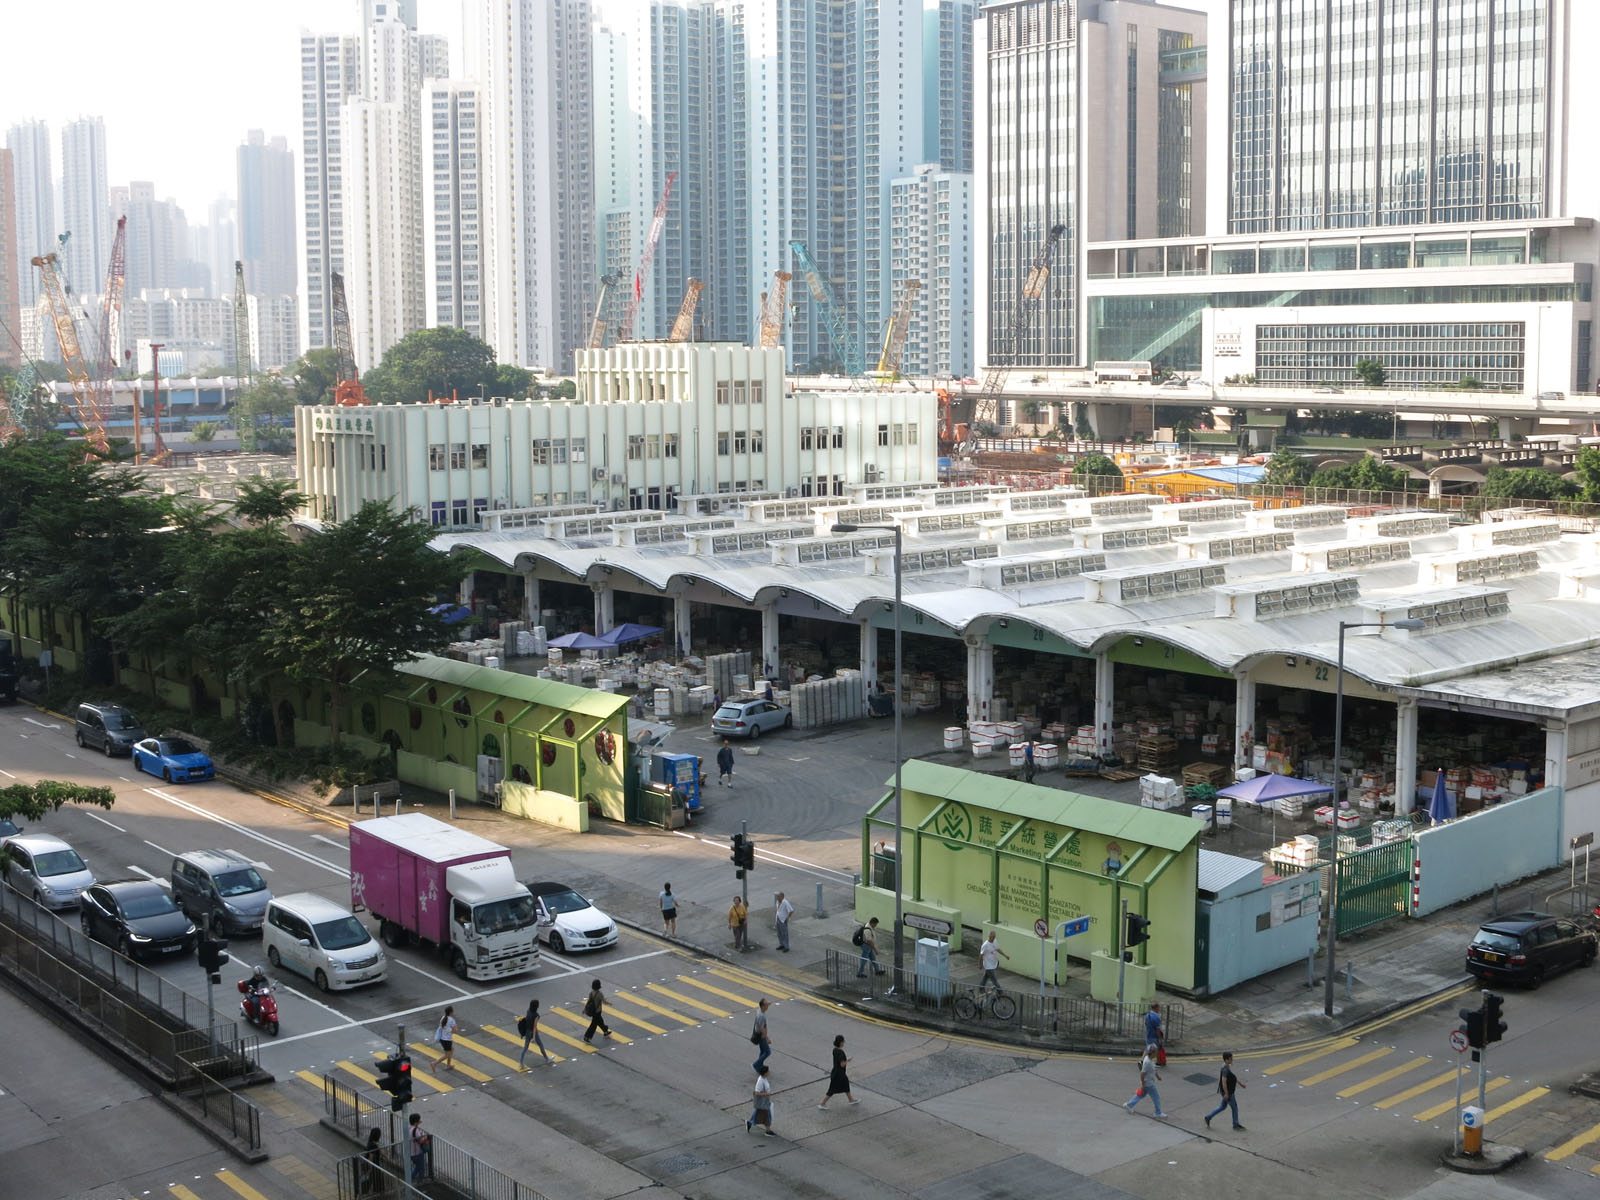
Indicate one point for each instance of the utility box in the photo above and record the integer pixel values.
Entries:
(1472, 1130)
(933, 968)
(1138, 982)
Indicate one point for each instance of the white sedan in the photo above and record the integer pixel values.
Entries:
(569, 920)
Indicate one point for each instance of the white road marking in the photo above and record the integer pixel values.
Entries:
(318, 837)
(7, 774)
(260, 866)
(103, 821)
(246, 831)
(452, 984)
(69, 754)
(797, 864)
(284, 987)
(163, 849)
(166, 883)
(40, 724)
(521, 981)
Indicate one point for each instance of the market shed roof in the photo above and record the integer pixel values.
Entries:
(530, 688)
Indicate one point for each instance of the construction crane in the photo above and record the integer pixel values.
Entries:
(597, 328)
(90, 414)
(682, 327)
(772, 309)
(651, 241)
(843, 343)
(894, 338)
(347, 389)
(242, 360)
(985, 404)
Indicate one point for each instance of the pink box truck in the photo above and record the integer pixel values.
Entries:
(442, 886)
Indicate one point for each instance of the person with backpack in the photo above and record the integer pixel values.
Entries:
(760, 1037)
(866, 937)
(1227, 1081)
(528, 1027)
(595, 1009)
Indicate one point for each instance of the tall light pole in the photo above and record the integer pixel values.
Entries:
(899, 756)
(1338, 786)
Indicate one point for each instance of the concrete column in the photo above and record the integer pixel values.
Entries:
(770, 658)
(604, 607)
(1515, 425)
(1244, 720)
(1111, 422)
(1555, 757)
(1435, 489)
(469, 589)
(1405, 756)
(530, 598)
(680, 624)
(1104, 701)
(869, 653)
(980, 680)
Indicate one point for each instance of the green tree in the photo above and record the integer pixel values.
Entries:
(1372, 372)
(205, 431)
(1526, 483)
(355, 601)
(33, 801)
(315, 372)
(432, 361)
(567, 389)
(1096, 464)
(1288, 469)
(513, 381)
(263, 414)
(1366, 474)
(1586, 466)
(1469, 383)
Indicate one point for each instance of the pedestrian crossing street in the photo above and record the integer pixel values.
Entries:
(1423, 1088)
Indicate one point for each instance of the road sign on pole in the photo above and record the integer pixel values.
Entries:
(1458, 1040)
(1042, 927)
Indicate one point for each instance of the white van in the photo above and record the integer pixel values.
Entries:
(322, 941)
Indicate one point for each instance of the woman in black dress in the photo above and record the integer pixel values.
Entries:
(838, 1079)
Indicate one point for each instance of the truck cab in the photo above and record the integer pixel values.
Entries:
(492, 920)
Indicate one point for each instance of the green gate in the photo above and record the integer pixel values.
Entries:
(1374, 885)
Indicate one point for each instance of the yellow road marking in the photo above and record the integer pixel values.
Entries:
(417, 1076)
(746, 1001)
(1343, 1043)
(231, 1180)
(689, 1000)
(744, 979)
(576, 1043)
(436, 1055)
(615, 1014)
(1324, 1076)
(635, 998)
(491, 1053)
(182, 1193)
(1568, 1148)
(1413, 1092)
(1391, 1073)
(1527, 1097)
(366, 1077)
(584, 1021)
(1438, 1110)
(312, 1078)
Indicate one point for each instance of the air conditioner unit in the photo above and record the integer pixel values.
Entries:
(793, 492)
(616, 479)
(598, 474)
(500, 504)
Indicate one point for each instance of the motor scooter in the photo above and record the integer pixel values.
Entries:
(259, 1007)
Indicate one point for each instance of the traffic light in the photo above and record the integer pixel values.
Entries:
(1493, 1026)
(748, 854)
(213, 956)
(1138, 930)
(737, 857)
(1472, 1026)
(394, 1077)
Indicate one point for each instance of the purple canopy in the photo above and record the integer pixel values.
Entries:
(580, 641)
(1264, 789)
(629, 631)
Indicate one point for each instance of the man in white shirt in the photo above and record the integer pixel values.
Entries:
(784, 912)
(991, 954)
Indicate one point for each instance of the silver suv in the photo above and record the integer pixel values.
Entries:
(109, 728)
(45, 868)
(221, 891)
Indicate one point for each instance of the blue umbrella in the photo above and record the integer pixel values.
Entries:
(629, 631)
(1441, 808)
(580, 641)
(451, 614)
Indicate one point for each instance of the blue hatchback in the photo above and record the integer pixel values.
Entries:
(174, 759)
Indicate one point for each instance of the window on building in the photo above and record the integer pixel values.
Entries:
(458, 512)
(580, 453)
(635, 498)
(541, 452)
(653, 498)
(478, 507)
(899, 434)
(758, 485)
(458, 456)
(806, 484)
(883, 435)
(383, 458)
(436, 457)
(722, 445)
(758, 442)
(758, 391)
(652, 445)
(838, 485)
(739, 393)
(436, 513)
(838, 437)
(911, 434)
(480, 454)
(558, 450)
(635, 447)
(669, 446)
(722, 391)
(805, 438)
(741, 442)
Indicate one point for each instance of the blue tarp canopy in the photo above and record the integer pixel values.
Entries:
(628, 631)
(580, 641)
(452, 614)
(1264, 789)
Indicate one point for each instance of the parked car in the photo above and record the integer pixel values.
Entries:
(1177, 381)
(1544, 396)
(1524, 947)
(8, 830)
(221, 890)
(109, 728)
(1328, 391)
(47, 869)
(570, 921)
(324, 942)
(176, 760)
(750, 718)
(138, 917)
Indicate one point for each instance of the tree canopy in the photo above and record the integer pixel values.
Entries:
(1372, 372)
(264, 416)
(1288, 469)
(1527, 483)
(315, 372)
(31, 801)
(1586, 466)
(438, 361)
(513, 382)
(1096, 464)
(1366, 474)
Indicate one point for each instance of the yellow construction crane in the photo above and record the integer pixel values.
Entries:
(90, 413)
(894, 338)
(682, 327)
(772, 309)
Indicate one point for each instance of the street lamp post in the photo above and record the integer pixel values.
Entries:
(899, 756)
(1338, 787)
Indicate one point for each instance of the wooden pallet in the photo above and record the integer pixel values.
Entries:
(1213, 774)
(1116, 776)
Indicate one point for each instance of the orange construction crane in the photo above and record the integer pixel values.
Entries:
(90, 414)
(772, 309)
(683, 326)
(651, 241)
(347, 389)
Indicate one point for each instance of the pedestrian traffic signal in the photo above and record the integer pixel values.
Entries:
(747, 854)
(1472, 1026)
(1138, 930)
(1493, 1026)
(213, 956)
(736, 844)
(394, 1077)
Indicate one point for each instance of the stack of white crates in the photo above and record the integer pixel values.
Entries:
(1082, 743)
(1301, 851)
(1158, 791)
(984, 736)
(833, 701)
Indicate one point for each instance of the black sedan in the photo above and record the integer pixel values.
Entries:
(138, 917)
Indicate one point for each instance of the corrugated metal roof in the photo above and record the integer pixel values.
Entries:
(1218, 872)
(1146, 826)
(1244, 473)
(549, 692)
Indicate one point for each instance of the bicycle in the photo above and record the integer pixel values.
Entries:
(997, 1005)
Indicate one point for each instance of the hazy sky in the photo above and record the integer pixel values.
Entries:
(178, 82)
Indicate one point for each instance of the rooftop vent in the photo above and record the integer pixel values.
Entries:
(1130, 537)
(1310, 516)
(1239, 545)
(1448, 570)
(1443, 609)
(1109, 508)
(1350, 556)
(1268, 599)
(881, 562)
(1529, 531)
(1018, 529)
(1135, 585)
(1203, 512)
(1404, 525)
(1016, 570)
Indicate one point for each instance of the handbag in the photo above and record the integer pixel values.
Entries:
(1161, 1056)
(755, 1038)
